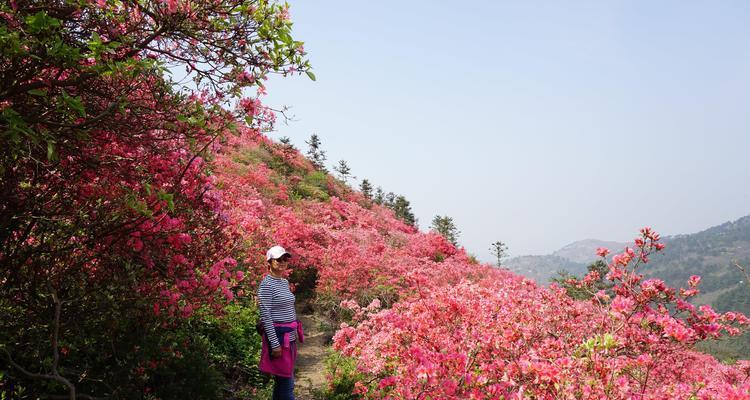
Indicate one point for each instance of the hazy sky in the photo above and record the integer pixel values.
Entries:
(535, 123)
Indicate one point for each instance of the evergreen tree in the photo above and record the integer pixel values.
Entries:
(366, 188)
(343, 170)
(499, 250)
(316, 155)
(402, 208)
(390, 199)
(444, 225)
(379, 196)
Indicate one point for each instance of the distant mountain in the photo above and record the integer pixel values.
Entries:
(542, 268)
(711, 254)
(584, 251)
(572, 258)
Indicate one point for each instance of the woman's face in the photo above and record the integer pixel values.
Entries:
(280, 264)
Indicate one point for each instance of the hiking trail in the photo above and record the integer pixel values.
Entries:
(310, 377)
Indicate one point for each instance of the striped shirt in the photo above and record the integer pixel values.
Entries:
(276, 304)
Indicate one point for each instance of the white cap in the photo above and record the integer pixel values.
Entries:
(275, 253)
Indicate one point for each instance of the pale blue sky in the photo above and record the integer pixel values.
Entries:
(536, 123)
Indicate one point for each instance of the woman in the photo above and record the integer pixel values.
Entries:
(280, 327)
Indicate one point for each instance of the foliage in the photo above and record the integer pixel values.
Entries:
(199, 357)
(587, 287)
(366, 188)
(316, 155)
(379, 196)
(501, 336)
(343, 170)
(402, 208)
(444, 225)
(313, 185)
(345, 381)
(111, 223)
(710, 254)
(134, 219)
(499, 250)
(418, 312)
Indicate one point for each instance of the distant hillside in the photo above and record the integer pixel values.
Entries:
(584, 251)
(711, 254)
(572, 258)
(542, 268)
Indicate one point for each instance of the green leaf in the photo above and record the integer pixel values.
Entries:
(75, 103)
(38, 92)
(310, 75)
(285, 37)
(51, 153)
(41, 21)
(95, 41)
(168, 197)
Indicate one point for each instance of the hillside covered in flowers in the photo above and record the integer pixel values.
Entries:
(135, 213)
(421, 319)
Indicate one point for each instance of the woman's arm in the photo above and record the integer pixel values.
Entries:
(265, 302)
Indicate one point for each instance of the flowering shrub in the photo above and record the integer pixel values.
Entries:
(112, 226)
(503, 337)
(420, 320)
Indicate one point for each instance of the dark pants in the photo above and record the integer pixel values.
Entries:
(283, 388)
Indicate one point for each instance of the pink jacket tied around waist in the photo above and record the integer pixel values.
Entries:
(284, 365)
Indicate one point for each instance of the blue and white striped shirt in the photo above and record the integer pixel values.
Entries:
(276, 304)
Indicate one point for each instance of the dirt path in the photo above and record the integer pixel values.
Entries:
(310, 375)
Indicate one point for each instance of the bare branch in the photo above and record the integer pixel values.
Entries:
(744, 272)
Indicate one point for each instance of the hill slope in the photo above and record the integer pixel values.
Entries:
(584, 251)
(542, 268)
(710, 254)
(417, 317)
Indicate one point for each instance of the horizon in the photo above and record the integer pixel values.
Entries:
(629, 241)
(533, 124)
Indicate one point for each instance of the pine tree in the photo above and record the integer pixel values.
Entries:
(316, 155)
(499, 250)
(444, 225)
(402, 208)
(379, 196)
(390, 199)
(366, 188)
(343, 170)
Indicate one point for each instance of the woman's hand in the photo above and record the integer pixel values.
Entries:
(276, 353)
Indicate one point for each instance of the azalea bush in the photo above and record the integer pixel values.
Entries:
(503, 337)
(112, 230)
